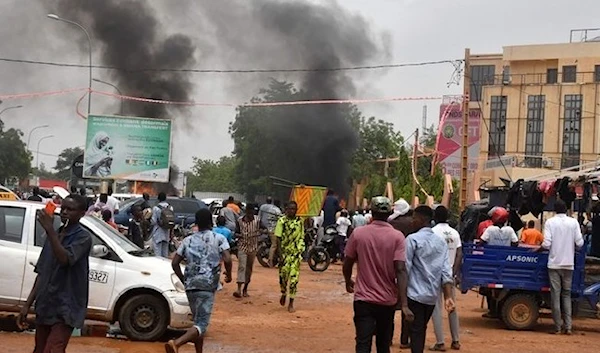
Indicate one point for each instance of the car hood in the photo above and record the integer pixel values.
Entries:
(156, 270)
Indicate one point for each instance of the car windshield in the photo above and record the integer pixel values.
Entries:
(184, 206)
(113, 234)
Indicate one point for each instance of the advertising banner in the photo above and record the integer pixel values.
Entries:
(127, 148)
(450, 138)
(309, 199)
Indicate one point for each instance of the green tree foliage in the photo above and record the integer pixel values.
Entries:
(216, 176)
(64, 162)
(43, 172)
(15, 160)
(262, 151)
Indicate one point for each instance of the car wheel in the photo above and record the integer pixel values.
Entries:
(144, 318)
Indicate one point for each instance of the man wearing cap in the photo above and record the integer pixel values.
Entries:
(381, 282)
(401, 220)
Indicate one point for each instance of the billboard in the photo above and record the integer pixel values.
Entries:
(121, 147)
(309, 199)
(450, 138)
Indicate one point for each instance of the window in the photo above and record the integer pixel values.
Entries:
(40, 233)
(11, 224)
(497, 138)
(184, 206)
(534, 137)
(572, 130)
(481, 75)
(597, 73)
(552, 76)
(569, 74)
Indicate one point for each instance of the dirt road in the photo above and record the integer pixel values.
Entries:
(323, 323)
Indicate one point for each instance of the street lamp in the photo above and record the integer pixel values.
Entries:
(8, 108)
(55, 17)
(37, 158)
(32, 130)
(116, 89)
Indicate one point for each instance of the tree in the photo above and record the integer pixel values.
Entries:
(15, 159)
(42, 172)
(308, 144)
(64, 162)
(216, 176)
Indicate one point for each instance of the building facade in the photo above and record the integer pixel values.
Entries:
(539, 105)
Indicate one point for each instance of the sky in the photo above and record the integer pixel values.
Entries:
(414, 31)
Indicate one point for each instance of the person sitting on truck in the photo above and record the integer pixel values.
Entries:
(483, 225)
(562, 236)
(531, 236)
(500, 234)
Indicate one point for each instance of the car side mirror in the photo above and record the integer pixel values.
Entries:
(99, 251)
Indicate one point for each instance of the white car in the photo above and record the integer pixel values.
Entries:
(127, 284)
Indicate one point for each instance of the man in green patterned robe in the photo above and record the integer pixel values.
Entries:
(290, 230)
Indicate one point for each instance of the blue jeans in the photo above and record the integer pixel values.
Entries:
(201, 304)
(161, 248)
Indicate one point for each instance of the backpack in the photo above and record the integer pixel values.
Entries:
(167, 218)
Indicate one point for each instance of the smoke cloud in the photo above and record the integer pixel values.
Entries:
(315, 142)
(129, 35)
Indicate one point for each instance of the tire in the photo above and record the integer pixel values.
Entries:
(262, 255)
(316, 257)
(520, 312)
(144, 317)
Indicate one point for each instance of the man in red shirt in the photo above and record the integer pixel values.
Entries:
(381, 282)
(485, 224)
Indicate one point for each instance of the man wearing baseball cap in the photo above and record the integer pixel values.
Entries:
(379, 251)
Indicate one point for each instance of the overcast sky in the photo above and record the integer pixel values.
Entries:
(419, 30)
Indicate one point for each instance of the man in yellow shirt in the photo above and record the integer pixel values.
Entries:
(531, 236)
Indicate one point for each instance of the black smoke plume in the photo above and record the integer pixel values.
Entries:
(127, 34)
(314, 143)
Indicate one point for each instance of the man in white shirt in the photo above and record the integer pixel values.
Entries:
(111, 203)
(562, 236)
(499, 234)
(342, 225)
(443, 230)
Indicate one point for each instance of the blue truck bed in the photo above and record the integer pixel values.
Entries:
(513, 268)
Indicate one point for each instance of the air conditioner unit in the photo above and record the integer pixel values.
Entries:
(547, 162)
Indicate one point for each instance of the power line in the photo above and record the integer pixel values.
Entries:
(224, 71)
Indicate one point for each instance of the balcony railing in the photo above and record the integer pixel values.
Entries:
(541, 79)
(531, 161)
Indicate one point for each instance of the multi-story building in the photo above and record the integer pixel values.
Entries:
(539, 107)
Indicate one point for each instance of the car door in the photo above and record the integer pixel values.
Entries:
(101, 275)
(13, 250)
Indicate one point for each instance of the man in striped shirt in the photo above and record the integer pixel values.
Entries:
(248, 229)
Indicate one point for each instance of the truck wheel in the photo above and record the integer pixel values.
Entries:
(520, 312)
(144, 318)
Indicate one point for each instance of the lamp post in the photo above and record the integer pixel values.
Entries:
(32, 130)
(9, 108)
(37, 158)
(55, 17)
(116, 89)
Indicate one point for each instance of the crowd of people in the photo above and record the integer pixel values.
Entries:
(407, 260)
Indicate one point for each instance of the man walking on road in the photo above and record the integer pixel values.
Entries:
(443, 230)
(248, 232)
(268, 215)
(203, 252)
(160, 232)
(428, 271)
(290, 231)
(381, 282)
(60, 290)
(562, 235)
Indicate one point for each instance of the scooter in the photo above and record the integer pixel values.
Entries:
(321, 255)
(262, 254)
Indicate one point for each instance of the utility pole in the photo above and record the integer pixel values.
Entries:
(414, 166)
(464, 170)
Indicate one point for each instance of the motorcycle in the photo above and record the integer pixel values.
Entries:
(321, 255)
(262, 254)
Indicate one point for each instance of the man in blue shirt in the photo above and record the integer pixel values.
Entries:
(428, 270)
(331, 206)
(221, 229)
(61, 287)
